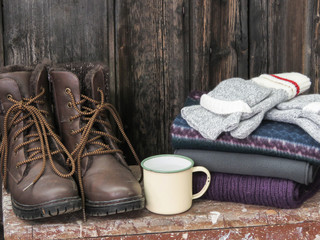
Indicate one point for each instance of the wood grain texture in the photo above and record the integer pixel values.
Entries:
(174, 85)
(201, 221)
(229, 42)
(258, 37)
(109, 56)
(62, 30)
(141, 72)
(1, 36)
(200, 40)
(315, 47)
(151, 71)
(287, 41)
(288, 232)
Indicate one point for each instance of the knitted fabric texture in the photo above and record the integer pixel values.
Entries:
(250, 121)
(223, 107)
(208, 122)
(238, 106)
(284, 86)
(274, 192)
(270, 138)
(293, 83)
(302, 111)
(299, 102)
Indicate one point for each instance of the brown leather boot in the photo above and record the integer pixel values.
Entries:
(33, 165)
(106, 182)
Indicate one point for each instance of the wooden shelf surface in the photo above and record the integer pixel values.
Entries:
(205, 220)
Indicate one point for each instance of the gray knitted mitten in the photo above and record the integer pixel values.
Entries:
(238, 106)
(222, 108)
(250, 121)
(284, 87)
(303, 111)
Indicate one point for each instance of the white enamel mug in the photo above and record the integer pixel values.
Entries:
(167, 182)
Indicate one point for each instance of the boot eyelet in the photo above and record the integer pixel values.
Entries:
(69, 105)
(72, 131)
(68, 90)
(9, 96)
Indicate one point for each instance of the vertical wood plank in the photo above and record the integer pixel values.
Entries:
(230, 40)
(1, 64)
(175, 73)
(277, 46)
(309, 13)
(151, 65)
(122, 54)
(258, 37)
(287, 40)
(140, 72)
(200, 38)
(62, 30)
(1, 36)
(315, 50)
(109, 55)
(242, 40)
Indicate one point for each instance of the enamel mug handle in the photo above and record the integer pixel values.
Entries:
(205, 187)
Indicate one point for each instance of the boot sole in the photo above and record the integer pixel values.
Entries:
(114, 207)
(48, 209)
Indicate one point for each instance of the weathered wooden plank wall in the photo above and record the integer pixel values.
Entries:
(1, 37)
(152, 77)
(314, 6)
(229, 41)
(158, 50)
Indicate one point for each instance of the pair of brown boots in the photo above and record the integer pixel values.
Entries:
(50, 174)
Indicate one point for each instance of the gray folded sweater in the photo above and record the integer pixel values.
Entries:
(252, 164)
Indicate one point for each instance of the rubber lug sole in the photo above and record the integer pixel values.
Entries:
(114, 207)
(48, 209)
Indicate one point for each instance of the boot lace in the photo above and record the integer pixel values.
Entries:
(26, 110)
(91, 116)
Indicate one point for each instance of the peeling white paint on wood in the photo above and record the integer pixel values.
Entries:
(214, 216)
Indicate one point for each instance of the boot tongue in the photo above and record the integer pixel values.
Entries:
(97, 82)
(39, 80)
(22, 79)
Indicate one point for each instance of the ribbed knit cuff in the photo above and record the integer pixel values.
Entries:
(293, 83)
(223, 107)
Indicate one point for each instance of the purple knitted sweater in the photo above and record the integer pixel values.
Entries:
(274, 192)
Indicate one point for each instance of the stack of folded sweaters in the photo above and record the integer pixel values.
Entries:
(262, 151)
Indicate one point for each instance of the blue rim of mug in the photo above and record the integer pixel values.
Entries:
(165, 155)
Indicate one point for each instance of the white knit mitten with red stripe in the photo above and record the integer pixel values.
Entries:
(284, 86)
(293, 83)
